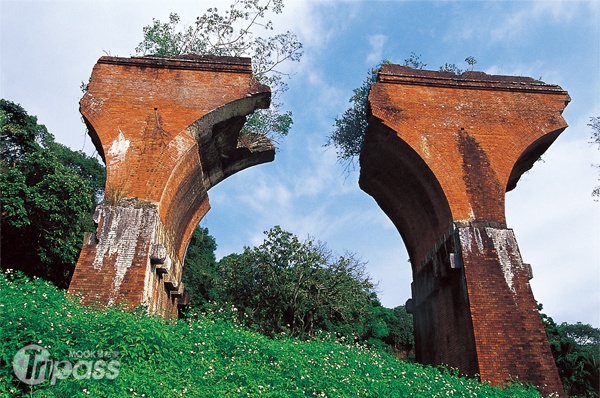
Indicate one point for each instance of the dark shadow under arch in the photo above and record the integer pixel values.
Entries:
(405, 188)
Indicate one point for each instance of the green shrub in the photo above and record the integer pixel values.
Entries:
(204, 356)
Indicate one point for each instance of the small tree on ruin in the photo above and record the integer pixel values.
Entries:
(235, 33)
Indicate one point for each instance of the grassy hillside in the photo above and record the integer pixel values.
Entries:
(119, 354)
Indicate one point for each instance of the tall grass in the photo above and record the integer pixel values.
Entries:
(204, 357)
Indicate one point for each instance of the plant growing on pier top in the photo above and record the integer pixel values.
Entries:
(232, 33)
(349, 129)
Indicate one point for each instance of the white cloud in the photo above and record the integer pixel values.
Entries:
(506, 22)
(532, 13)
(559, 11)
(304, 19)
(556, 223)
(376, 43)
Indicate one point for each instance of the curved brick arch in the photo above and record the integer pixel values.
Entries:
(447, 119)
(184, 201)
(412, 198)
(215, 155)
(530, 155)
(476, 134)
(168, 130)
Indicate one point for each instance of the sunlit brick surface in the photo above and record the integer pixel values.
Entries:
(167, 129)
(440, 152)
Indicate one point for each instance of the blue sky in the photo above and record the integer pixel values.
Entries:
(49, 47)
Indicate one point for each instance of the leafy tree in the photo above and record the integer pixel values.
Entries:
(296, 287)
(401, 332)
(576, 351)
(85, 166)
(286, 285)
(351, 127)
(376, 324)
(200, 272)
(595, 125)
(47, 196)
(232, 34)
(388, 329)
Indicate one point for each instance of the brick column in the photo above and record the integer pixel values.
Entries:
(508, 331)
(440, 152)
(167, 129)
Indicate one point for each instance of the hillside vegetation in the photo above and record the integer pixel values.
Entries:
(206, 356)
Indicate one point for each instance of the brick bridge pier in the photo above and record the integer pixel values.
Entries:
(440, 152)
(168, 131)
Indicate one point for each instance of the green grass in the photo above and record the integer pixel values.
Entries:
(205, 357)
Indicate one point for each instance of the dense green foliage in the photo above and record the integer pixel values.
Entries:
(200, 272)
(400, 328)
(295, 287)
(282, 287)
(231, 34)
(351, 127)
(47, 196)
(199, 357)
(285, 285)
(576, 350)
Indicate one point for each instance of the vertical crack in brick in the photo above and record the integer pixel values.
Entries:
(478, 240)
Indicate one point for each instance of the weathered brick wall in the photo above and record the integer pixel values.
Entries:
(168, 130)
(440, 152)
(443, 338)
(508, 331)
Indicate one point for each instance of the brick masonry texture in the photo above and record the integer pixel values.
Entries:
(440, 152)
(167, 129)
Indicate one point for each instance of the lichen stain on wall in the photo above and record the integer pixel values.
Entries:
(122, 228)
(118, 149)
(506, 248)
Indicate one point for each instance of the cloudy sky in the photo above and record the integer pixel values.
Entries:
(48, 48)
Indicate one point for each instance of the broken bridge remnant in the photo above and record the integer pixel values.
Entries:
(439, 154)
(168, 130)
